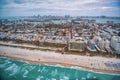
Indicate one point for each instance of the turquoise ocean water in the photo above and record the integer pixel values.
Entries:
(16, 70)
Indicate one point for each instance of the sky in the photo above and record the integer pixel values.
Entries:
(60, 7)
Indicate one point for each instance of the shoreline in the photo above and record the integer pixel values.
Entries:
(64, 65)
(42, 57)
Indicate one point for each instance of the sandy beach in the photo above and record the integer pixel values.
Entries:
(53, 58)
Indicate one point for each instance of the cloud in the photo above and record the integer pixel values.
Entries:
(61, 6)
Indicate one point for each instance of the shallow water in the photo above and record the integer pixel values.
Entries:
(16, 70)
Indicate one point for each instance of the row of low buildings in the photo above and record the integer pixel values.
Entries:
(78, 37)
(75, 44)
(18, 36)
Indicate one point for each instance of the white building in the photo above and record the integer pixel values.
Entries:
(115, 43)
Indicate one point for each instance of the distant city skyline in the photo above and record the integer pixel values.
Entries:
(60, 7)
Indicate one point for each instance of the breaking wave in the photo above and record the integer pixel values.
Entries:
(16, 70)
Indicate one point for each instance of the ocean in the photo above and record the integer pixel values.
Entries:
(104, 20)
(16, 70)
(98, 20)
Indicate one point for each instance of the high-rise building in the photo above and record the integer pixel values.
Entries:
(103, 44)
(119, 34)
(0, 23)
(76, 45)
(115, 43)
(91, 45)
